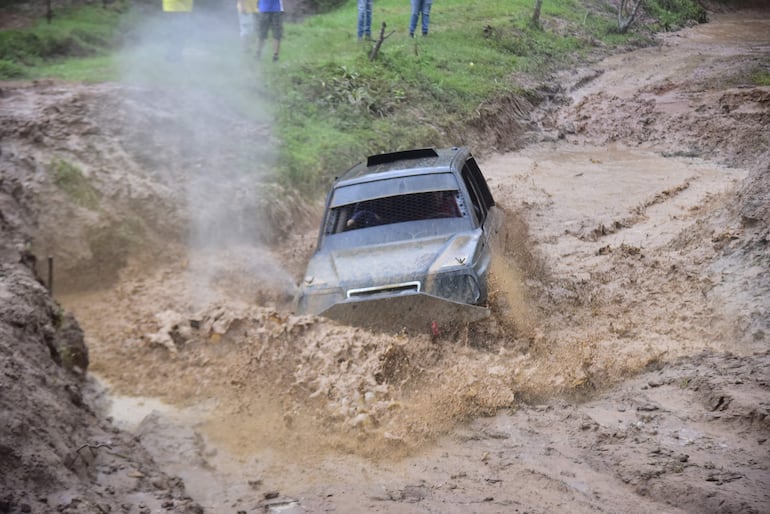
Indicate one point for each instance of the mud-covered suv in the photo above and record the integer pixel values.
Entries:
(406, 241)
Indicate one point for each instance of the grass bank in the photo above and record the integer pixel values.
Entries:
(422, 91)
(329, 102)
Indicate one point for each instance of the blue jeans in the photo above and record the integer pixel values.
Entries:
(420, 7)
(365, 18)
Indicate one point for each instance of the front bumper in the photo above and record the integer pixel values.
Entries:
(413, 312)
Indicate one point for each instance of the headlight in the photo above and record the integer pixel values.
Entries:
(460, 287)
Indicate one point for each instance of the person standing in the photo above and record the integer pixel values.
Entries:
(420, 7)
(270, 20)
(179, 12)
(247, 14)
(365, 19)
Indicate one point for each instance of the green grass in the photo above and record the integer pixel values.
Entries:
(343, 106)
(328, 103)
(74, 33)
(88, 69)
(70, 179)
(761, 77)
(672, 14)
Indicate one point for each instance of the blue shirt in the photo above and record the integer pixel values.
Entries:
(270, 5)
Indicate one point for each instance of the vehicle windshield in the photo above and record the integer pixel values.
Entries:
(427, 205)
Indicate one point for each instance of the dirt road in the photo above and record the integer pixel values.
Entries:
(627, 373)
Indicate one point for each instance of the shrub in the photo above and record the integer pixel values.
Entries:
(71, 180)
(11, 70)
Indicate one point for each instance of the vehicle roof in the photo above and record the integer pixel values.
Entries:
(396, 164)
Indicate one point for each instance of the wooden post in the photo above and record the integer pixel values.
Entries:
(50, 274)
(536, 14)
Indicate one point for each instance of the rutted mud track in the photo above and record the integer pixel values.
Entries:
(626, 368)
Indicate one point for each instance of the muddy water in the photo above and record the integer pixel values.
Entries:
(238, 413)
(699, 51)
(571, 193)
(217, 478)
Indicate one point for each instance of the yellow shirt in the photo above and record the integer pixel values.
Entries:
(177, 5)
(247, 6)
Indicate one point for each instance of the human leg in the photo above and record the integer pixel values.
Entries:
(179, 29)
(416, 5)
(426, 4)
(368, 22)
(361, 18)
(277, 28)
(263, 29)
(246, 25)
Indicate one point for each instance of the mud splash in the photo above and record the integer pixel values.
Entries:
(309, 386)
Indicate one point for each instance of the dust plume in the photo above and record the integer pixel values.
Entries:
(210, 137)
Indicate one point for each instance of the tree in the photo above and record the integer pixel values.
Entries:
(626, 14)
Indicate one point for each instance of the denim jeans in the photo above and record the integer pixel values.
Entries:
(420, 7)
(365, 18)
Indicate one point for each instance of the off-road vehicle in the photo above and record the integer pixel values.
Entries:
(406, 241)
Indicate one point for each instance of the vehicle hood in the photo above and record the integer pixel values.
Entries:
(380, 264)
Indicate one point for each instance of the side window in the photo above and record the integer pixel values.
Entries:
(336, 219)
(481, 183)
(479, 206)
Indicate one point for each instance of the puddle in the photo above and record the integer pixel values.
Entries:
(128, 413)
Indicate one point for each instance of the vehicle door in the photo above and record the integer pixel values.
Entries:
(483, 208)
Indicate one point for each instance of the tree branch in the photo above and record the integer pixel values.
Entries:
(383, 37)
